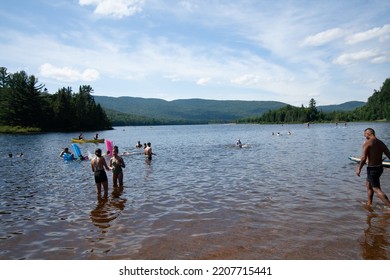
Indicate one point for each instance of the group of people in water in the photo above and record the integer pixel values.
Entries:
(10, 155)
(115, 164)
(372, 156)
(279, 134)
(147, 149)
(99, 167)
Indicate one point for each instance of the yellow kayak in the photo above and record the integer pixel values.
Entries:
(75, 140)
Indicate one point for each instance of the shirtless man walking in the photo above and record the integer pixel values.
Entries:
(148, 151)
(373, 149)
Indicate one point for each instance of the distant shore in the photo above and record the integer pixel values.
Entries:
(19, 129)
(8, 129)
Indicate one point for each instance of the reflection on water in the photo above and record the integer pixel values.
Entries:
(376, 236)
(278, 197)
(108, 209)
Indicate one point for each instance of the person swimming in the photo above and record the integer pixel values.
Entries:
(239, 144)
(66, 153)
(138, 145)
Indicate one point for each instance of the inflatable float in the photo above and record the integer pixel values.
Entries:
(385, 163)
(77, 152)
(76, 149)
(67, 157)
(109, 146)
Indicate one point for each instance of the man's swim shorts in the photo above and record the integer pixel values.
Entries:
(373, 175)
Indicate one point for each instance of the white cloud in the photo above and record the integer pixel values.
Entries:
(323, 37)
(172, 78)
(363, 81)
(203, 81)
(114, 8)
(256, 79)
(348, 58)
(246, 80)
(68, 74)
(377, 32)
(187, 5)
(380, 59)
(245, 49)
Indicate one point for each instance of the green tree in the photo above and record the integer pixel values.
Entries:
(23, 101)
(4, 94)
(89, 115)
(378, 105)
(4, 77)
(62, 108)
(312, 112)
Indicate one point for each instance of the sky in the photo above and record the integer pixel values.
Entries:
(290, 51)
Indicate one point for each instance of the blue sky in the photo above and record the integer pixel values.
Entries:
(290, 51)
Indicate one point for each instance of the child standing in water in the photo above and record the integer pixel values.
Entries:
(117, 163)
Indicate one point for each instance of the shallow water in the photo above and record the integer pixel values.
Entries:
(279, 197)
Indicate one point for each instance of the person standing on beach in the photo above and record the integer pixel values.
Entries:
(117, 163)
(98, 164)
(373, 150)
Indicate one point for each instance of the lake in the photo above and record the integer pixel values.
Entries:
(279, 197)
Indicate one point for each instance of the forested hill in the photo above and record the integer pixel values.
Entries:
(347, 106)
(26, 105)
(378, 105)
(187, 110)
(377, 108)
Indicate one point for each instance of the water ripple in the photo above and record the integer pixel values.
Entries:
(286, 197)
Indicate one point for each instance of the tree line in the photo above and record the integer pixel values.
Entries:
(26, 103)
(376, 108)
(123, 119)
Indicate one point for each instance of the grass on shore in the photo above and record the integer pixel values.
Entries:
(18, 129)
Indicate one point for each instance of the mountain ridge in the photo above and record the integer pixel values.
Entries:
(197, 110)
